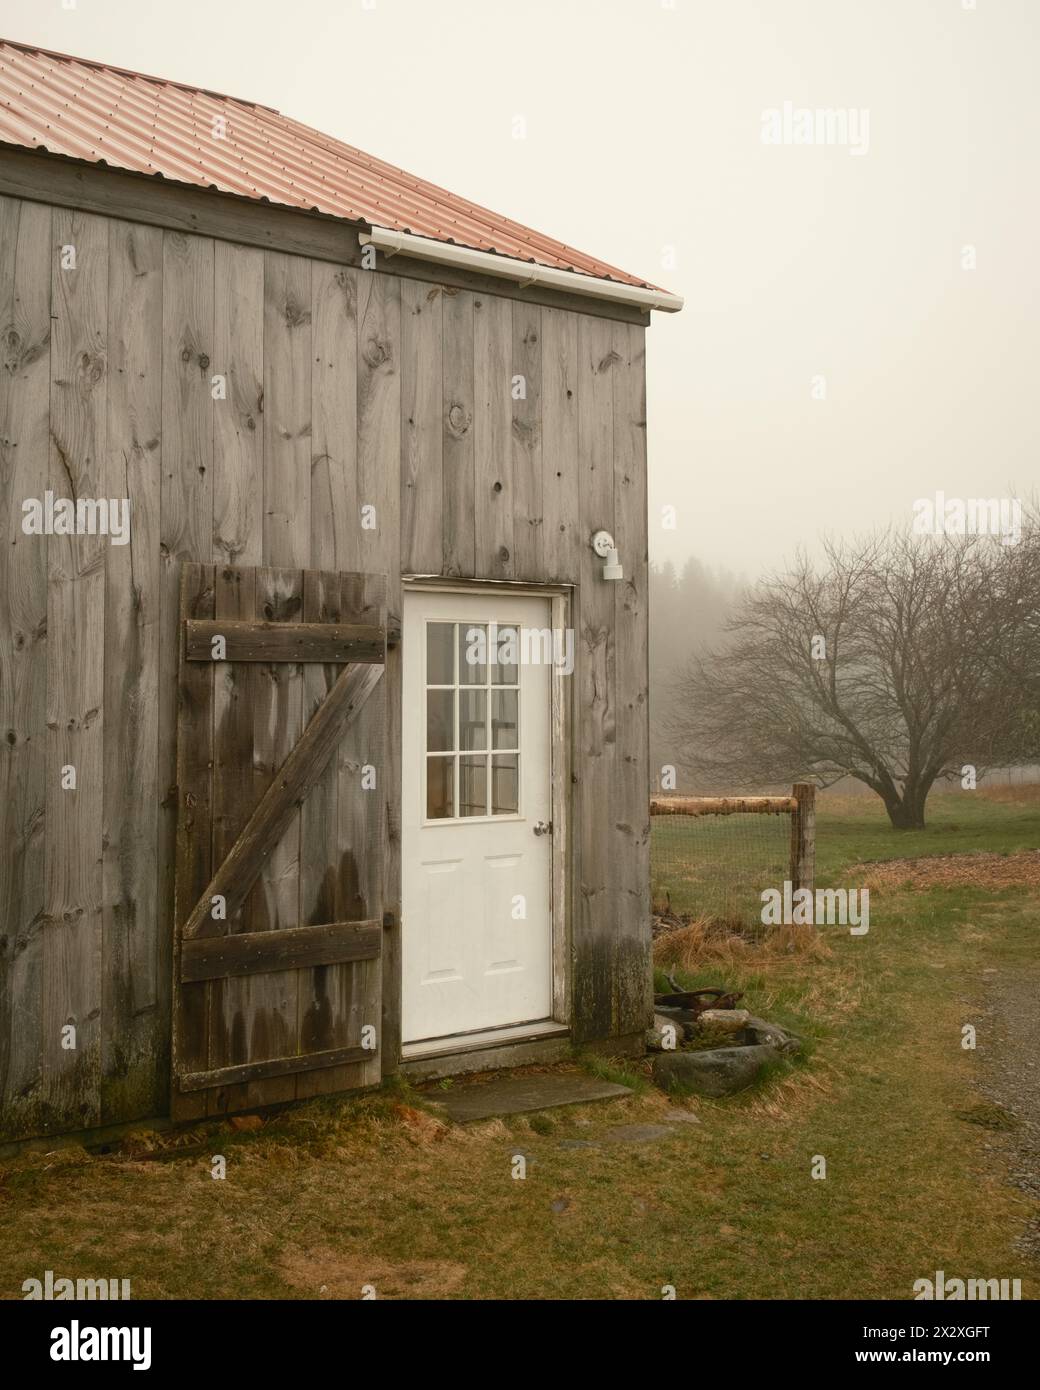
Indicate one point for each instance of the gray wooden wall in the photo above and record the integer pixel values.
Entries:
(345, 387)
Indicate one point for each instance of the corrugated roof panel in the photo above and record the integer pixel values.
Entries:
(90, 111)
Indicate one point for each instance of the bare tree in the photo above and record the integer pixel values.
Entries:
(897, 661)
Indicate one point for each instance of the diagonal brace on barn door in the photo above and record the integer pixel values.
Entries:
(304, 765)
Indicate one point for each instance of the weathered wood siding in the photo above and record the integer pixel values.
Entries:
(365, 422)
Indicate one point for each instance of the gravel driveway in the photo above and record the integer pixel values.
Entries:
(1009, 1049)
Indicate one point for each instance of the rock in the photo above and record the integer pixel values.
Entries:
(725, 1020)
(676, 1116)
(716, 1071)
(656, 1036)
(772, 1035)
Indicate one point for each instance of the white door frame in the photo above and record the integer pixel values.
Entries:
(561, 687)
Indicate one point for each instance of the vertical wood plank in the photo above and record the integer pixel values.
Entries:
(287, 409)
(379, 421)
(595, 930)
(324, 992)
(563, 537)
(75, 676)
(325, 1015)
(342, 860)
(269, 1003)
(379, 476)
(194, 850)
(422, 435)
(235, 691)
(186, 531)
(526, 394)
(631, 803)
(25, 329)
(133, 1030)
(459, 498)
(492, 418)
(362, 826)
(335, 536)
(238, 420)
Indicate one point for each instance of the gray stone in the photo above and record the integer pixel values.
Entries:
(682, 1117)
(716, 1071)
(726, 1020)
(513, 1095)
(772, 1035)
(655, 1036)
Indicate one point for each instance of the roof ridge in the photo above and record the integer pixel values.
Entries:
(132, 72)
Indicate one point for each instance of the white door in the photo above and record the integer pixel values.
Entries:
(476, 836)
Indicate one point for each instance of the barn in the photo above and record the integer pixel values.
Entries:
(323, 617)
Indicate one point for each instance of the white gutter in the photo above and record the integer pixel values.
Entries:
(392, 243)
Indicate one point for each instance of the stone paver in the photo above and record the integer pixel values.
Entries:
(514, 1095)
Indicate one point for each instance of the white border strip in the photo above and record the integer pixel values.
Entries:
(392, 243)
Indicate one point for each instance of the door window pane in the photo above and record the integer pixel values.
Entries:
(440, 653)
(472, 654)
(504, 671)
(472, 719)
(473, 786)
(504, 730)
(505, 784)
(440, 788)
(440, 720)
(472, 709)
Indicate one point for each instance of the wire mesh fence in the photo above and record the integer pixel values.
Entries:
(712, 857)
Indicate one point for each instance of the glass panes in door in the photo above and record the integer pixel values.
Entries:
(472, 721)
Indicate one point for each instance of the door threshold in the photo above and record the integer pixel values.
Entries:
(489, 1037)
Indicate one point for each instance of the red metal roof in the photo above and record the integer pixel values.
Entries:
(148, 125)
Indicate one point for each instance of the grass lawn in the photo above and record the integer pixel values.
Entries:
(339, 1194)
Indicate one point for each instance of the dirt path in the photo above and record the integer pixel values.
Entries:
(1011, 1080)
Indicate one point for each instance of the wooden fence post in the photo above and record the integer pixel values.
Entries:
(803, 837)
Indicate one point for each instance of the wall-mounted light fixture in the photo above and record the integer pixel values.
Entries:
(603, 545)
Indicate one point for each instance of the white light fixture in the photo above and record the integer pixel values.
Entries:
(603, 545)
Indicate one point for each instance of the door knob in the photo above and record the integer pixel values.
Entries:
(542, 827)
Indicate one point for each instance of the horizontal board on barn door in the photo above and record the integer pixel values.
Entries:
(277, 975)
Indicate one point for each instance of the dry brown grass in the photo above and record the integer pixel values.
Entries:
(322, 1272)
(709, 941)
(984, 870)
(1018, 794)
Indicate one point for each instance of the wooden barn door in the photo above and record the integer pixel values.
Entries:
(278, 896)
